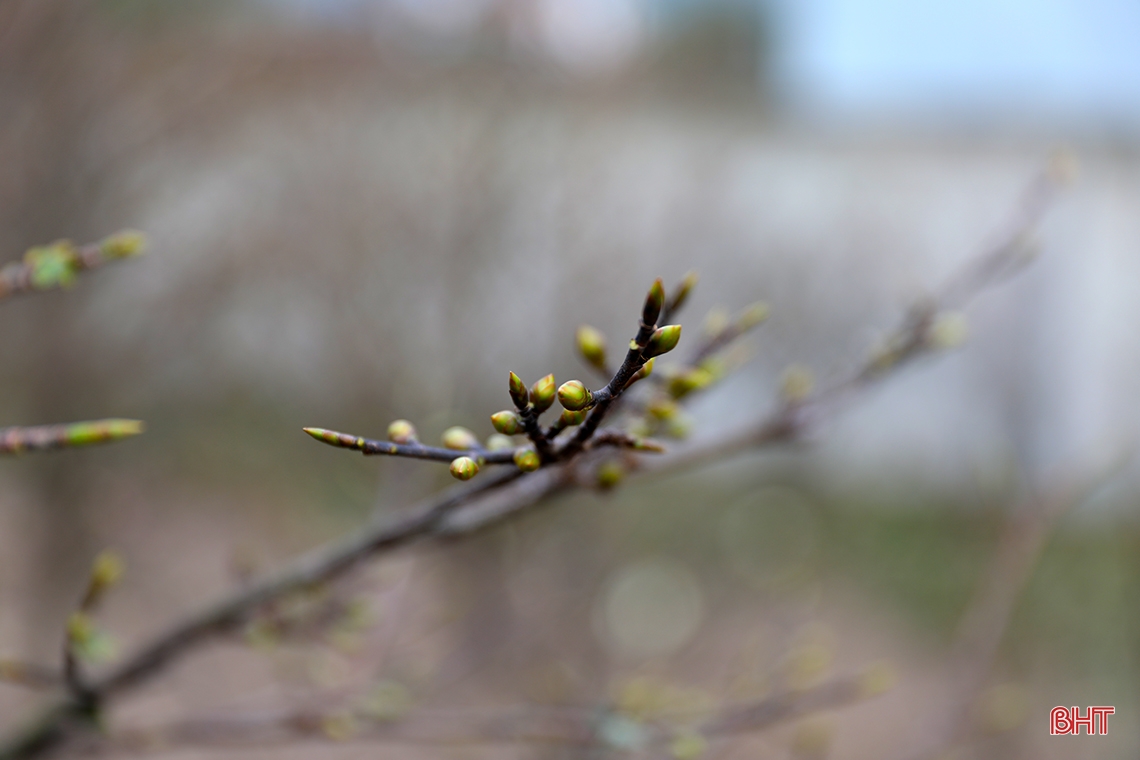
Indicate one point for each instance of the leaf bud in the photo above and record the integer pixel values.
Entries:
(80, 629)
(98, 431)
(506, 422)
(680, 426)
(752, 316)
(570, 419)
(499, 442)
(575, 396)
(459, 439)
(123, 245)
(401, 431)
(610, 474)
(645, 371)
(542, 394)
(654, 301)
(527, 460)
(592, 346)
(518, 391)
(796, 384)
(464, 468)
(106, 571)
(662, 408)
(663, 341)
(716, 322)
(688, 380)
(683, 290)
(948, 331)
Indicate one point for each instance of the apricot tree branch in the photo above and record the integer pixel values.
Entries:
(457, 513)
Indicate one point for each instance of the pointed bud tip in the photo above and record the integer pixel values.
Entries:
(333, 438)
(124, 244)
(517, 388)
(99, 431)
(542, 394)
(654, 302)
(663, 341)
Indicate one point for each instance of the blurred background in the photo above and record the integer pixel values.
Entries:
(368, 209)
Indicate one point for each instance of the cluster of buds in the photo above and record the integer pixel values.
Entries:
(577, 427)
(717, 355)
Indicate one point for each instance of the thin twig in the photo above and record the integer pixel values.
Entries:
(565, 725)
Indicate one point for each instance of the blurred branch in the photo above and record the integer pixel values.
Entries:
(1024, 536)
(464, 511)
(58, 265)
(29, 675)
(17, 440)
(926, 327)
(582, 727)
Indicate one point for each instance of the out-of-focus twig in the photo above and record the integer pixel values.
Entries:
(918, 334)
(17, 440)
(57, 265)
(983, 625)
(574, 726)
(29, 675)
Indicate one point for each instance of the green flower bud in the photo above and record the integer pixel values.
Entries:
(948, 331)
(333, 438)
(80, 629)
(518, 391)
(574, 396)
(663, 341)
(752, 316)
(459, 439)
(662, 408)
(683, 291)
(123, 245)
(592, 346)
(610, 474)
(107, 570)
(506, 422)
(402, 431)
(716, 322)
(499, 442)
(464, 468)
(797, 383)
(685, 382)
(645, 371)
(688, 745)
(542, 394)
(654, 302)
(52, 265)
(99, 431)
(680, 426)
(527, 460)
(570, 419)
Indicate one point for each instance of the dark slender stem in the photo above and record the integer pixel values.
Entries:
(529, 418)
